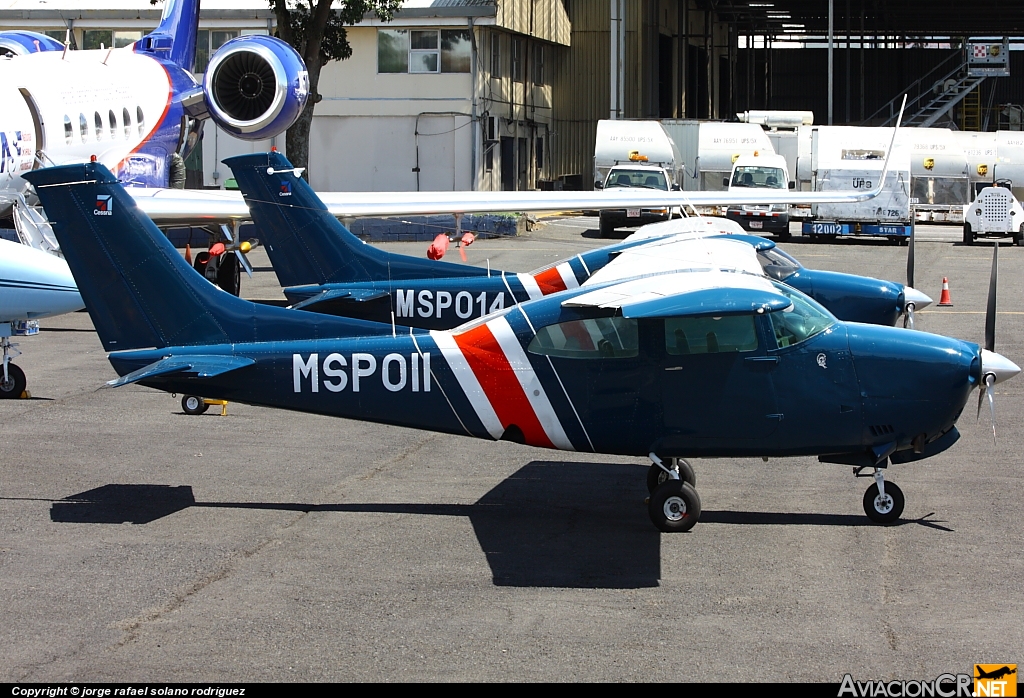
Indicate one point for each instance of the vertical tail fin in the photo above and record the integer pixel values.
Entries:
(306, 243)
(175, 37)
(138, 289)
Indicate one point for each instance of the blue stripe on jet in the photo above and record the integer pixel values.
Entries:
(35, 285)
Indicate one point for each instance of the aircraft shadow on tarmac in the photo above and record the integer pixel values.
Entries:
(550, 524)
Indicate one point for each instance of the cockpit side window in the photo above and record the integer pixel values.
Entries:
(801, 321)
(710, 335)
(777, 264)
(593, 338)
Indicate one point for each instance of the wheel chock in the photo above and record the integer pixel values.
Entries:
(223, 405)
(26, 395)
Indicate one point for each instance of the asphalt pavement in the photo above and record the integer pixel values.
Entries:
(141, 544)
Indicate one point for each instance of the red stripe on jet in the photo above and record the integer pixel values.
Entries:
(550, 281)
(500, 385)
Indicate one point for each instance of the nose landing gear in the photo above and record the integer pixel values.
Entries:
(674, 505)
(883, 502)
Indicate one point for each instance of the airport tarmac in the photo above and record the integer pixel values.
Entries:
(141, 544)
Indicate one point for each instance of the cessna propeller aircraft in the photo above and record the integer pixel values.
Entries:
(325, 268)
(33, 285)
(695, 363)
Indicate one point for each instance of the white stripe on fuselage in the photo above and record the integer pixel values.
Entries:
(530, 285)
(469, 383)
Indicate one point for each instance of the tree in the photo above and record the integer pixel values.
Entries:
(318, 33)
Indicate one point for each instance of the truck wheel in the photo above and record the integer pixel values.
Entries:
(1018, 239)
(605, 229)
(968, 234)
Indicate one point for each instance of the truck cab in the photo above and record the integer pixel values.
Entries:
(767, 171)
(636, 173)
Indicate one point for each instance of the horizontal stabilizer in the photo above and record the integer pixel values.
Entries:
(199, 366)
(360, 295)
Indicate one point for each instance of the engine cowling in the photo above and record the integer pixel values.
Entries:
(255, 86)
(20, 43)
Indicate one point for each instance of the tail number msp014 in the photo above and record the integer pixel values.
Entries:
(425, 303)
(337, 373)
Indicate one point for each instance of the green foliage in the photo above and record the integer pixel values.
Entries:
(303, 21)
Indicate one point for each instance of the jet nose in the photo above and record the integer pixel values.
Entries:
(912, 295)
(998, 366)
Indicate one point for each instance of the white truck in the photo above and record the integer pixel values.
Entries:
(635, 155)
(994, 213)
(760, 171)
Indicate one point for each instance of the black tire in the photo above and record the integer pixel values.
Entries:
(15, 384)
(887, 511)
(968, 234)
(605, 228)
(784, 236)
(193, 404)
(656, 476)
(674, 507)
(229, 275)
(1018, 239)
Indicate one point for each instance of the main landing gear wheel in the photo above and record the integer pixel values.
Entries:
(193, 404)
(884, 509)
(674, 507)
(15, 383)
(656, 475)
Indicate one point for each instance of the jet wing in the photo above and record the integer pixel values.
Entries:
(693, 293)
(200, 366)
(199, 207)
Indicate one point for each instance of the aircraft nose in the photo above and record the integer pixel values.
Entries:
(998, 366)
(912, 295)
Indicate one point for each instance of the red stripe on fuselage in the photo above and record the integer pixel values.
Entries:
(500, 385)
(167, 107)
(550, 281)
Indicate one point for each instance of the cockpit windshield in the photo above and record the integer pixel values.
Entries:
(642, 178)
(777, 264)
(761, 177)
(801, 321)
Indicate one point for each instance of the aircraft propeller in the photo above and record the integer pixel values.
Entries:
(912, 298)
(239, 247)
(994, 367)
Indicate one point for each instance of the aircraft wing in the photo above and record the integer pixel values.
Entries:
(679, 254)
(336, 294)
(703, 293)
(208, 207)
(200, 366)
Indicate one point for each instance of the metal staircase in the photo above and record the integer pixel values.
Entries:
(970, 112)
(926, 104)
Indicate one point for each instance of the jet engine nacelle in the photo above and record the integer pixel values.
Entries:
(20, 43)
(255, 87)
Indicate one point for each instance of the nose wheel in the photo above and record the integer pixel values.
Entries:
(674, 505)
(883, 502)
(657, 474)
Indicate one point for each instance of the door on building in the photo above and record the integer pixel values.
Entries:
(666, 96)
(508, 164)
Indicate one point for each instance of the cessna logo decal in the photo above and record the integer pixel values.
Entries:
(104, 206)
(337, 373)
(286, 188)
(495, 374)
(821, 360)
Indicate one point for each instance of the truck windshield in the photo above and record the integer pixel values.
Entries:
(762, 177)
(648, 179)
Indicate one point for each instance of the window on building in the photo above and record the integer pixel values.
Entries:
(127, 119)
(537, 67)
(59, 34)
(207, 43)
(517, 59)
(105, 38)
(495, 55)
(126, 38)
(489, 157)
(540, 153)
(69, 130)
(423, 51)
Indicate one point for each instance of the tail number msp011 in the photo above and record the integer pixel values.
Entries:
(337, 373)
(425, 303)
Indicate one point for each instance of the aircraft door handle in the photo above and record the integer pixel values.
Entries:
(764, 363)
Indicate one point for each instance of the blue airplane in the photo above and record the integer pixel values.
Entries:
(325, 268)
(699, 363)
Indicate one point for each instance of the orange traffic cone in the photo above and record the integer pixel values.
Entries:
(944, 298)
(188, 253)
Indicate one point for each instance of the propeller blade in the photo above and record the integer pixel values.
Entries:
(908, 317)
(226, 230)
(910, 257)
(990, 394)
(244, 262)
(990, 313)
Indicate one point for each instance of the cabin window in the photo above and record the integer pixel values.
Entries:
(710, 335)
(127, 119)
(423, 51)
(69, 130)
(112, 120)
(140, 121)
(207, 43)
(98, 120)
(802, 320)
(593, 338)
(83, 127)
